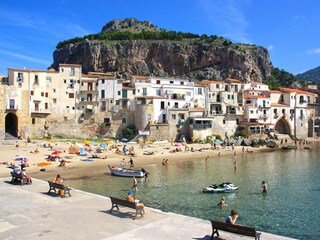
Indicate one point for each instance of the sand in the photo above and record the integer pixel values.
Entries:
(77, 168)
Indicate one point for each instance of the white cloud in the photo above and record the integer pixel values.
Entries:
(229, 17)
(313, 51)
(27, 58)
(270, 47)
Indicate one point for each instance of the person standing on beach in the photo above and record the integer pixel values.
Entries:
(264, 186)
(122, 163)
(131, 163)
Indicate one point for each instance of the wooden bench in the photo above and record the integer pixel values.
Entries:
(116, 202)
(54, 186)
(233, 228)
(17, 177)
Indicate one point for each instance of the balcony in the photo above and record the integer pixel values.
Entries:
(216, 112)
(40, 111)
(84, 91)
(202, 126)
(11, 107)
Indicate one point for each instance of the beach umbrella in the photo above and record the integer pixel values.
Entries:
(20, 159)
(103, 145)
(124, 140)
(56, 153)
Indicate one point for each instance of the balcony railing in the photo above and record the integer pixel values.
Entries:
(39, 110)
(202, 126)
(12, 107)
(216, 112)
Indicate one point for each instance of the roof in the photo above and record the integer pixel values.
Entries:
(197, 109)
(278, 105)
(275, 91)
(29, 70)
(233, 80)
(259, 83)
(292, 90)
(247, 96)
(136, 77)
(69, 65)
(207, 82)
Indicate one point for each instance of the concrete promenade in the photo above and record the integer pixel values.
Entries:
(28, 212)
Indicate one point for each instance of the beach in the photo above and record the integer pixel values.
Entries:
(77, 167)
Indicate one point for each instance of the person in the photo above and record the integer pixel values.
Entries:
(232, 218)
(235, 163)
(57, 179)
(134, 184)
(131, 163)
(123, 162)
(129, 198)
(124, 149)
(264, 186)
(206, 159)
(23, 165)
(16, 170)
(221, 202)
(26, 178)
(62, 163)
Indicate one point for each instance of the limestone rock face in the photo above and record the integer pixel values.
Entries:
(188, 58)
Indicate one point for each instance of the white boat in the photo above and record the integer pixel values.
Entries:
(126, 172)
(221, 188)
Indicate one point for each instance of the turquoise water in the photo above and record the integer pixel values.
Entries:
(290, 207)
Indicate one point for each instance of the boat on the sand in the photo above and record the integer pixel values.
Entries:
(127, 172)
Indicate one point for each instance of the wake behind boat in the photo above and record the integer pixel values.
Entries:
(126, 172)
(221, 188)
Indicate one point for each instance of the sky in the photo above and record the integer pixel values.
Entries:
(289, 29)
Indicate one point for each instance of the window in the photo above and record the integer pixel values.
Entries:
(124, 120)
(134, 92)
(162, 105)
(46, 105)
(65, 80)
(174, 117)
(224, 121)
(20, 77)
(102, 94)
(54, 100)
(158, 81)
(54, 90)
(158, 92)
(217, 85)
(188, 94)
(71, 83)
(102, 81)
(144, 91)
(36, 79)
(119, 93)
(65, 119)
(42, 94)
(237, 121)
(31, 93)
(171, 82)
(48, 80)
(33, 121)
(72, 72)
(106, 120)
(71, 95)
(181, 83)
(199, 91)
(46, 94)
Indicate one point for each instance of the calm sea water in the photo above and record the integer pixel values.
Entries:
(290, 207)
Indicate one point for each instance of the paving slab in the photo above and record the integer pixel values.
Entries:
(29, 212)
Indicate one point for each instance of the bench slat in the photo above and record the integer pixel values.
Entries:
(238, 229)
(115, 202)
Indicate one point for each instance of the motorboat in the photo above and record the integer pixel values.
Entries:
(126, 172)
(225, 187)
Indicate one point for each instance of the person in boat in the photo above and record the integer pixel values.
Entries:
(264, 187)
(222, 202)
(232, 218)
(129, 198)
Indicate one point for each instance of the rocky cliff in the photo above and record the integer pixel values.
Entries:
(194, 57)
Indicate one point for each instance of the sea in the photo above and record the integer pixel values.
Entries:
(291, 206)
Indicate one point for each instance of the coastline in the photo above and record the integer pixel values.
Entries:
(76, 168)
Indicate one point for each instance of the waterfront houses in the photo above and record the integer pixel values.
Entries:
(65, 101)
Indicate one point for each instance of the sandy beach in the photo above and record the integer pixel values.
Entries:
(77, 168)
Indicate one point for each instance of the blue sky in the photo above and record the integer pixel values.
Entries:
(289, 29)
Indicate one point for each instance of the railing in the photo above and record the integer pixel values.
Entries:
(216, 112)
(11, 107)
(202, 126)
(39, 110)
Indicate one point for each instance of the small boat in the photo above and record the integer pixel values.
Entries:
(221, 188)
(126, 172)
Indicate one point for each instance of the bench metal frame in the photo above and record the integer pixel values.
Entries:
(233, 228)
(116, 202)
(54, 186)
